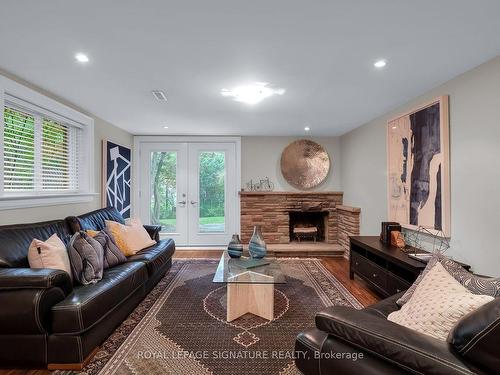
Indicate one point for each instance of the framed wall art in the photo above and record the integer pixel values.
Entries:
(419, 168)
(116, 164)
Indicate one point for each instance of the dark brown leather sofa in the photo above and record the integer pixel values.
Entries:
(44, 318)
(349, 341)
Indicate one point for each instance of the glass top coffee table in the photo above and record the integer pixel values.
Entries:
(249, 290)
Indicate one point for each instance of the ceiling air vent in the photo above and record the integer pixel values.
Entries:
(159, 95)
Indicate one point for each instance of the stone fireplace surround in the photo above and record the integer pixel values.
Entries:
(271, 210)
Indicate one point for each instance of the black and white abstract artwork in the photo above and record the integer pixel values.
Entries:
(116, 177)
(418, 168)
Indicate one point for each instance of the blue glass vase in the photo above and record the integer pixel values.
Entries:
(257, 247)
(235, 247)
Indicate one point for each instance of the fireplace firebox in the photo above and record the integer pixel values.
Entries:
(308, 225)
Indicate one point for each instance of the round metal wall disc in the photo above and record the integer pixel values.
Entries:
(305, 164)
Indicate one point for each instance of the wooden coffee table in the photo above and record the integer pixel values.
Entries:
(249, 290)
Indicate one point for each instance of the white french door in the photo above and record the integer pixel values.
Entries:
(190, 189)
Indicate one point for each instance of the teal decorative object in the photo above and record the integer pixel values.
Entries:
(257, 247)
(235, 247)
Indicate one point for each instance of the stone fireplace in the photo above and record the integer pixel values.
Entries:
(278, 212)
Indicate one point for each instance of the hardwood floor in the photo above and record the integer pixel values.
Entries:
(339, 267)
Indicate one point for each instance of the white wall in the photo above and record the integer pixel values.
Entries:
(260, 158)
(102, 130)
(475, 166)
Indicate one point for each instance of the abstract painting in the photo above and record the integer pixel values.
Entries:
(418, 168)
(116, 174)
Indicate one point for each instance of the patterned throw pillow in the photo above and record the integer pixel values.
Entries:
(437, 304)
(112, 254)
(86, 258)
(476, 284)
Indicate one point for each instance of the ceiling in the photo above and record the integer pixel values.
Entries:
(321, 52)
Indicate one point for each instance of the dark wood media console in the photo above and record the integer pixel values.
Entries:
(387, 269)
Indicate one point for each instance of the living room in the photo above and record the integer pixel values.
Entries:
(277, 187)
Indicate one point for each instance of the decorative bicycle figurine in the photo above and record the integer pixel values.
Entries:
(263, 185)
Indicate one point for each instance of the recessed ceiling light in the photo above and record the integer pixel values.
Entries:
(379, 64)
(159, 95)
(81, 57)
(165, 127)
(252, 93)
(307, 128)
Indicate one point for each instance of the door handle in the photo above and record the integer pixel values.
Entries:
(182, 202)
(193, 202)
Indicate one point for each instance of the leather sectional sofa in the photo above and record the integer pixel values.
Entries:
(349, 341)
(45, 320)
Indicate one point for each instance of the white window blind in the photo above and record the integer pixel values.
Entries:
(42, 153)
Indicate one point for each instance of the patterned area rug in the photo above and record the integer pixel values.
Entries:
(180, 327)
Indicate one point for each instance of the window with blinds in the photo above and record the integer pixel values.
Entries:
(41, 154)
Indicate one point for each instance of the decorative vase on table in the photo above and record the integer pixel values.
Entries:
(257, 247)
(235, 247)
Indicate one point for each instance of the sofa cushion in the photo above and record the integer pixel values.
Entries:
(155, 256)
(51, 254)
(89, 304)
(15, 240)
(130, 237)
(112, 254)
(476, 284)
(437, 304)
(94, 220)
(86, 255)
(476, 337)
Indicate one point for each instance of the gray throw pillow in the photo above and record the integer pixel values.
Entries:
(112, 254)
(86, 258)
(476, 284)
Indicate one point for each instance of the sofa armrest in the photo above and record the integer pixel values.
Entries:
(27, 296)
(385, 306)
(399, 345)
(34, 278)
(154, 231)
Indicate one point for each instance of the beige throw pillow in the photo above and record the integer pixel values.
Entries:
(131, 237)
(49, 254)
(437, 304)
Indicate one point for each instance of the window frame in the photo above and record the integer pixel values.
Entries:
(86, 192)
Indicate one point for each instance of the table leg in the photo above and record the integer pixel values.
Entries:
(257, 299)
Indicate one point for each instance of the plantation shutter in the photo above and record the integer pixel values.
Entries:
(42, 151)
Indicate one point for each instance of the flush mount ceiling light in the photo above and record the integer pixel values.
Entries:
(81, 57)
(165, 127)
(379, 64)
(252, 93)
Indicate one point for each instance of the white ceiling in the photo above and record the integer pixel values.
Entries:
(322, 52)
